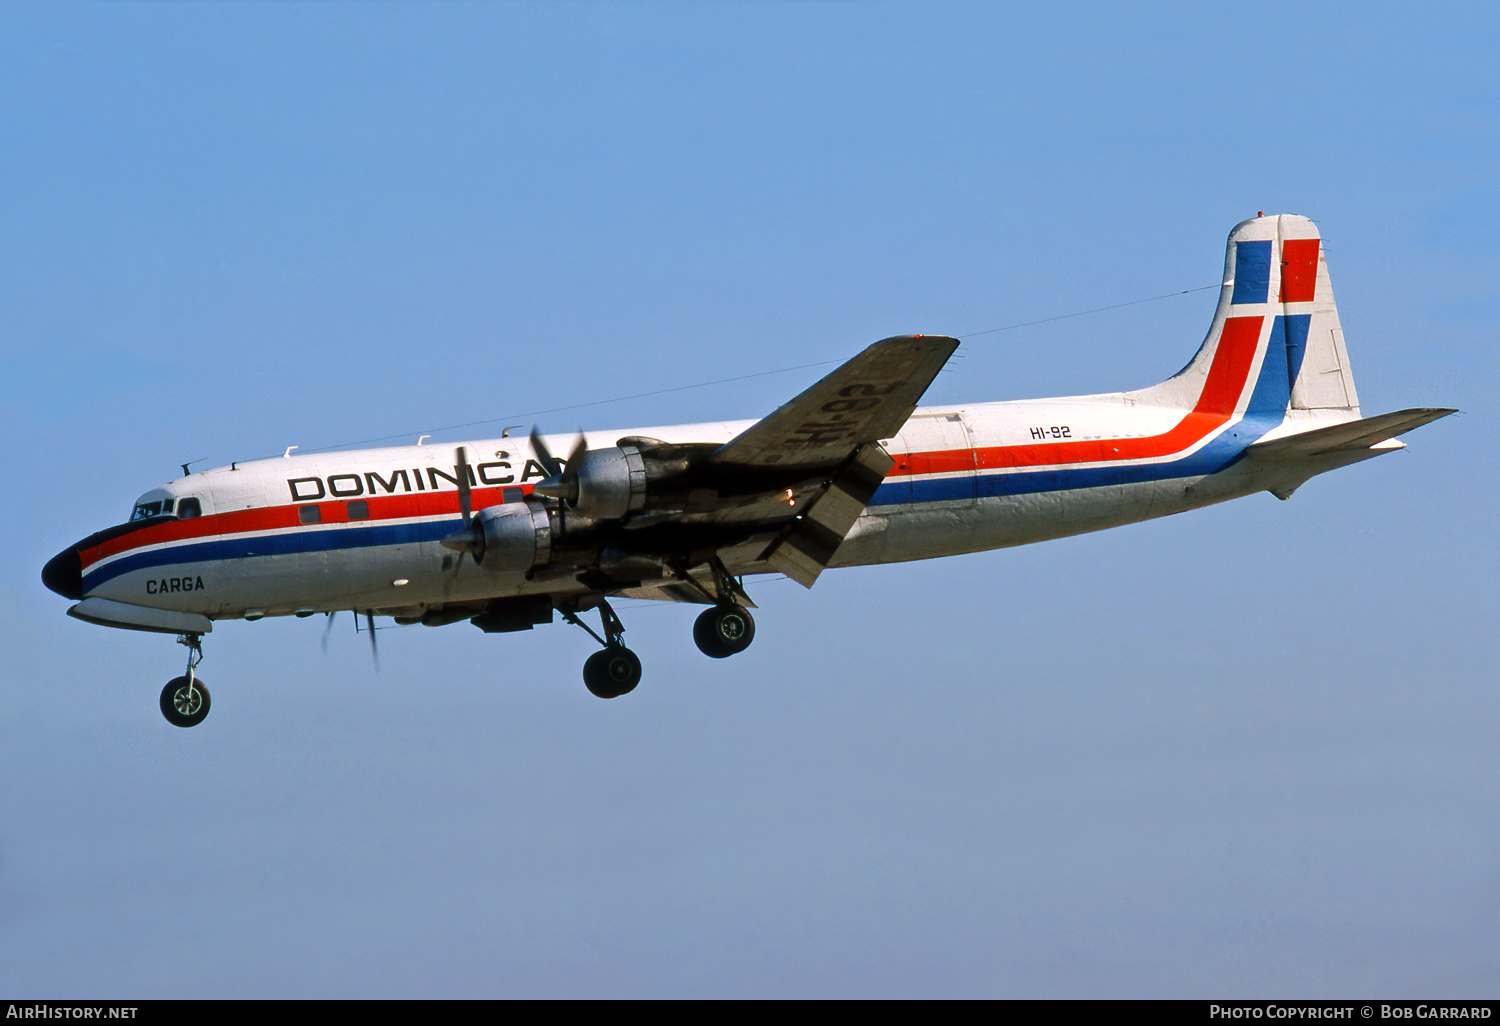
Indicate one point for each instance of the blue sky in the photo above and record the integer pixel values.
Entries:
(1247, 751)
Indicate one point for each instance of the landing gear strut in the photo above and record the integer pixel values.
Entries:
(614, 670)
(184, 701)
(722, 630)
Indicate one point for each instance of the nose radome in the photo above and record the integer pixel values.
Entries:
(64, 574)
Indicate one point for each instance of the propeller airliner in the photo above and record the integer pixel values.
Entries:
(506, 535)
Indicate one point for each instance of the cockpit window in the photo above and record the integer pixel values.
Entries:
(144, 510)
(159, 505)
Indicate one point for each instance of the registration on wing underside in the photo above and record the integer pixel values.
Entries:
(867, 399)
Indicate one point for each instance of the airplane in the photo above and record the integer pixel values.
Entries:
(504, 534)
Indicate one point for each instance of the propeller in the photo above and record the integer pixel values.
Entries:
(369, 628)
(465, 497)
(374, 645)
(561, 481)
(465, 539)
(327, 631)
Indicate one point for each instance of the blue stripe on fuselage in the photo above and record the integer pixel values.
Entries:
(1267, 409)
(1219, 454)
(287, 543)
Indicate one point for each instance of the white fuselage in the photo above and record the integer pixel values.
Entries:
(965, 479)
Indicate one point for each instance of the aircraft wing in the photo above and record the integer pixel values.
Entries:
(678, 591)
(834, 429)
(782, 494)
(865, 400)
(1348, 437)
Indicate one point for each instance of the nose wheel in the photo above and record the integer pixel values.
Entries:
(185, 701)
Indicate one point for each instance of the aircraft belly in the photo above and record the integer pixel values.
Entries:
(364, 577)
(928, 530)
(260, 582)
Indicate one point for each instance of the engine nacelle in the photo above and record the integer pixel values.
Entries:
(635, 474)
(611, 483)
(512, 538)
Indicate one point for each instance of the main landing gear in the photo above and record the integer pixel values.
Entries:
(614, 670)
(726, 628)
(722, 630)
(184, 701)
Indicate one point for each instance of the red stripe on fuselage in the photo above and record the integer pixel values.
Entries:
(1227, 376)
(271, 518)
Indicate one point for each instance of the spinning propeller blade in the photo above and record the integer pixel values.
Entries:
(465, 497)
(561, 481)
(374, 645)
(544, 455)
(465, 539)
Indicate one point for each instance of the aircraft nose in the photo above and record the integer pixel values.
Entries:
(64, 574)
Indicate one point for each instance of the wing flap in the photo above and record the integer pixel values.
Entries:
(808, 543)
(867, 399)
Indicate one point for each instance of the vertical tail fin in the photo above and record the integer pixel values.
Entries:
(1276, 342)
(1318, 364)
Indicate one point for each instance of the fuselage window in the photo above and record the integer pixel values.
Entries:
(359, 509)
(310, 514)
(189, 507)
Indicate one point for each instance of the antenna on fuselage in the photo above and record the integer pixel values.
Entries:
(189, 463)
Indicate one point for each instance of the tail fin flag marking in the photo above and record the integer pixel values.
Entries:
(1282, 257)
(1252, 272)
(1299, 274)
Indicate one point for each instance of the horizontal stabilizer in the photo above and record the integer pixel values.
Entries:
(1348, 437)
(865, 400)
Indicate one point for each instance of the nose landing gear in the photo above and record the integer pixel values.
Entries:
(184, 701)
